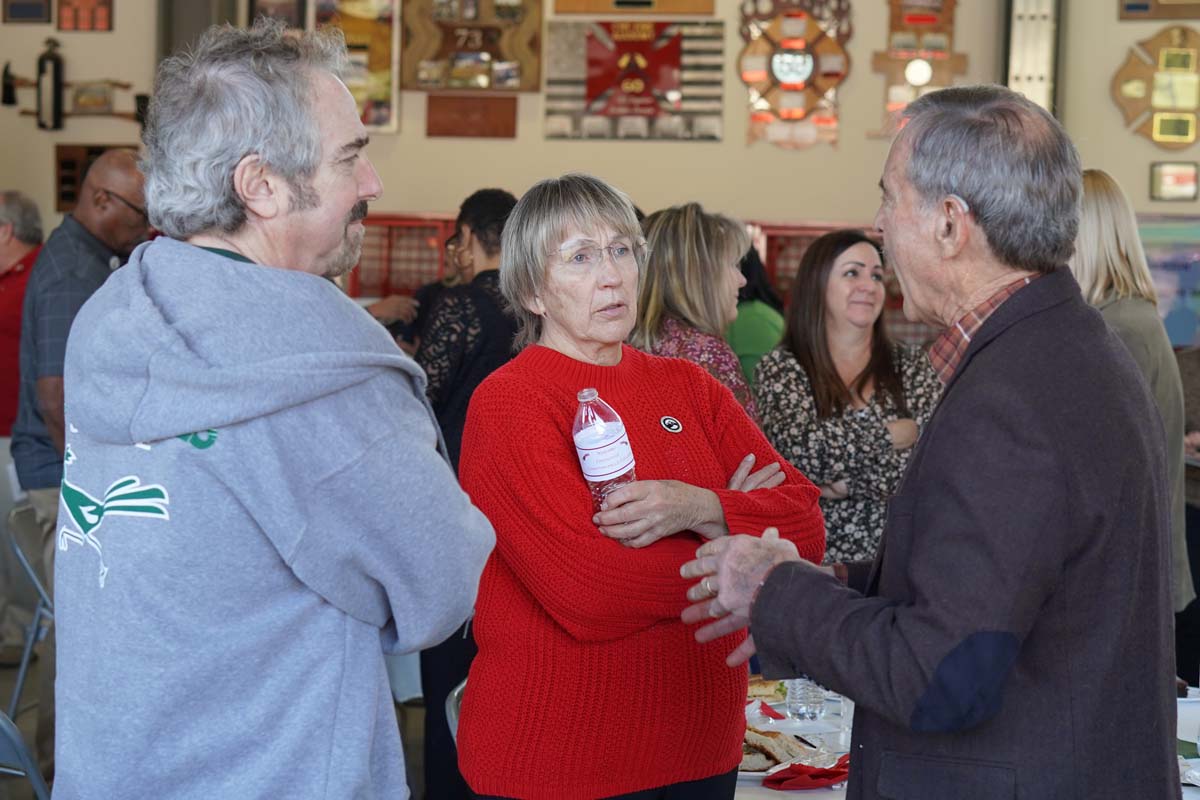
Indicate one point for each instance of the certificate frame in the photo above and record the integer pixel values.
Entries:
(1175, 181)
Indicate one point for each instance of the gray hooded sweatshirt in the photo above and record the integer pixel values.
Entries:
(256, 506)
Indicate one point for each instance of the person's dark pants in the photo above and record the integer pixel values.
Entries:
(718, 787)
(1187, 622)
(443, 667)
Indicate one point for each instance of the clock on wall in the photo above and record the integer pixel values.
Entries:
(1158, 87)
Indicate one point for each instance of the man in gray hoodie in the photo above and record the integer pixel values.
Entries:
(256, 503)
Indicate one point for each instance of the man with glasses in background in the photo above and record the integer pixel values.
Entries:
(108, 221)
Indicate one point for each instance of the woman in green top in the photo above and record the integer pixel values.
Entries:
(759, 323)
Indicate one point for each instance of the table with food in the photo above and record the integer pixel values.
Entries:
(786, 749)
(782, 749)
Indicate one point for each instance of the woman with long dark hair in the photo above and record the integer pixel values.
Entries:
(840, 400)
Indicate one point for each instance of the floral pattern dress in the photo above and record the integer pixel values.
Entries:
(853, 446)
(680, 340)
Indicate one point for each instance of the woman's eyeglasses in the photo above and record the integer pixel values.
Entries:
(590, 254)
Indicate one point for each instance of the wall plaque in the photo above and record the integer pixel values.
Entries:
(920, 55)
(481, 116)
(793, 61)
(1158, 87)
(478, 45)
(85, 15)
(1173, 180)
(667, 7)
(1159, 9)
(634, 80)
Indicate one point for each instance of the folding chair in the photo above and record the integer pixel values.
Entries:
(16, 760)
(43, 615)
(453, 704)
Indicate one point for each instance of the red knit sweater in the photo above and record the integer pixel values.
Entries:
(587, 684)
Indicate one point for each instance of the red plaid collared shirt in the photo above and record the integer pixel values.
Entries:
(948, 349)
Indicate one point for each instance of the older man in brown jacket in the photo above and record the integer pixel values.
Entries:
(1013, 637)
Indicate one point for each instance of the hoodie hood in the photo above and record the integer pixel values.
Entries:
(181, 340)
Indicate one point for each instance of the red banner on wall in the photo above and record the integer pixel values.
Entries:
(633, 68)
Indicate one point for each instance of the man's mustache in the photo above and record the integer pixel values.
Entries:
(358, 212)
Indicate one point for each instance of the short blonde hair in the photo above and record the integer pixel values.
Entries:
(538, 224)
(689, 249)
(1109, 260)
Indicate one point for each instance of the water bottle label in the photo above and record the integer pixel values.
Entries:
(606, 456)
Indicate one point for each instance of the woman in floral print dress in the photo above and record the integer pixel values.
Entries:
(837, 398)
(689, 292)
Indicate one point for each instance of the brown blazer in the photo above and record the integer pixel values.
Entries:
(1015, 635)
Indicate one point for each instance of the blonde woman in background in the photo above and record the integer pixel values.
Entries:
(1111, 269)
(689, 292)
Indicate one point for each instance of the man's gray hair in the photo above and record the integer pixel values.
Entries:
(1009, 160)
(18, 210)
(237, 92)
(537, 226)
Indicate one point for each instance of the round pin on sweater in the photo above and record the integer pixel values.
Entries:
(671, 425)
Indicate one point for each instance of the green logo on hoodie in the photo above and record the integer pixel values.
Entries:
(201, 440)
(125, 498)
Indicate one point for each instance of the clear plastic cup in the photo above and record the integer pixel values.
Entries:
(805, 698)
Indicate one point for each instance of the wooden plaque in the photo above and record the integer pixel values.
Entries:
(1159, 9)
(672, 7)
(85, 15)
(919, 58)
(473, 45)
(480, 116)
(792, 65)
(1157, 88)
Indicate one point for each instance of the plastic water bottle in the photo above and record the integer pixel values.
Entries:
(805, 698)
(602, 446)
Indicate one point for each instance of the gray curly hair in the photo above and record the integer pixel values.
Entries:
(236, 92)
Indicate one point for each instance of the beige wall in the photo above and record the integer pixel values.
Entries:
(755, 182)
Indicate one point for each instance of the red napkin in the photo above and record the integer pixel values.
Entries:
(799, 776)
(770, 712)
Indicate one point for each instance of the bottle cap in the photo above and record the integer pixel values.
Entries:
(587, 395)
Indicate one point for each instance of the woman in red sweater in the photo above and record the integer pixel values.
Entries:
(587, 684)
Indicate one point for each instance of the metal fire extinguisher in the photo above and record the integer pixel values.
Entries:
(50, 88)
